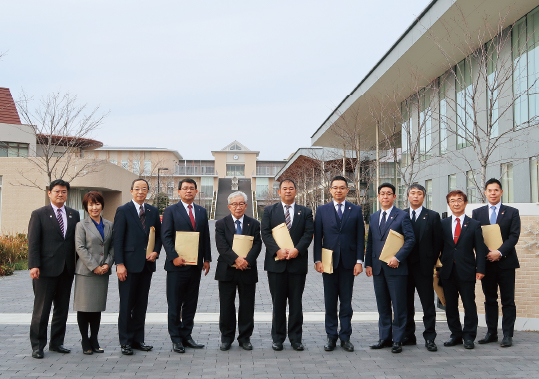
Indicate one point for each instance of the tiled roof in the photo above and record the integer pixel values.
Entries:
(8, 111)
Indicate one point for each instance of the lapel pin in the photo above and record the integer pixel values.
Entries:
(424, 218)
(50, 216)
(299, 212)
(503, 212)
(391, 217)
(70, 216)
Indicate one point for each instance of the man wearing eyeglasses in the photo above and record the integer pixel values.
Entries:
(183, 281)
(235, 271)
(132, 224)
(339, 227)
(389, 279)
(461, 268)
(287, 274)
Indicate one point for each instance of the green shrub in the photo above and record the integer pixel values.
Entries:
(13, 253)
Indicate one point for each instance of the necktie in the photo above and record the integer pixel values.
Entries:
(287, 216)
(413, 216)
(142, 216)
(457, 231)
(191, 216)
(339, 211)
(383, 221)
(238, 227)
(60, 220)
(493, 215)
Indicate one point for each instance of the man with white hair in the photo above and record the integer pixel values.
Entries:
(243, 276)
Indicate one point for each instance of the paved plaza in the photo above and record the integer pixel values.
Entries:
(521, 360)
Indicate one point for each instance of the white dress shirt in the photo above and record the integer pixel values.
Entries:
(291, 211)
(454, 223)
(236, 225)
(417, 212)
(186, 206)
(336, 206)
(64, 216)
(138, 206)
(388, 212)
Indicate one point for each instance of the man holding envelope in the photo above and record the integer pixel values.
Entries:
(133, 223)
(339, 230)
(391, 233)
(186, 238)
(501, 262)
(237, 237)
(287, 265)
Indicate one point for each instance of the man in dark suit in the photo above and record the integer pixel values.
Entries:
(339, 227)
(286, 276)
(421, 262)
(461, 268)
(500, 264)
(390, 279)
(51, 260)
(243, 276)
(183, 281)
(132, 224)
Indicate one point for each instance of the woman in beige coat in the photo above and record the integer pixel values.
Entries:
(93, 242)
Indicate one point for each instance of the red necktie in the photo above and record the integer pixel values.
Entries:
(193, 217)
(457, 231)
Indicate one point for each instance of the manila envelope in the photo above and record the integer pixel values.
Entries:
(439, 290)
(151, 241)
(281, 235)
(492, 236)
(242, 245)
(393, 244)
(187, 247)
(327, 260)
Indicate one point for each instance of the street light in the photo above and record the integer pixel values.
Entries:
(158, 188)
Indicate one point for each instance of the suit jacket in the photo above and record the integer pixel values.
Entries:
(462, 254)
(509, 221)
(399, 221)
(346, 239)
(92, 250)
(131, 239)
(301, 232)
(224, 238)
(176, 219)
(428, 242)
(48, 250)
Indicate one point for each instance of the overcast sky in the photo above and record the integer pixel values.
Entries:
(195, 75)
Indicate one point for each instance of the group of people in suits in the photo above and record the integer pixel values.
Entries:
(56, 238)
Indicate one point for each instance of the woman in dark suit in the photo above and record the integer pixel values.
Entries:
(93, 242)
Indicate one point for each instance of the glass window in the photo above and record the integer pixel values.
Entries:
(407, 126)
(492, 87)
(464, 91)
(276, 185)
(507, 182)
(125, 164)
(136, 167)
(470, 187)
(147, 167)
(443, 114)
(235, 170)
(428, 197)
(206, 187)
(262, 188)
(451, 182)
(114, 161)
(534, 179)
(13, 149)
(425, 124)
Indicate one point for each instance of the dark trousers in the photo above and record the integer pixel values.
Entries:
(182, 299)
(49, 291)
(338, 287)
(246, 311)
(390, 290)
(133, 304)
(505, 279)
(286, 286)
(453, 287)
(425, 290)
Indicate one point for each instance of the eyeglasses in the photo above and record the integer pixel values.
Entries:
(140, 189)
(188, 188)
(339, 188)
(58, 192)
(235, 205)
(456, 201)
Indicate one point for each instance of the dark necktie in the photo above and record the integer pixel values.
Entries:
(142, 216)
(457, 231)
(238, 227)
(60, 220)
(383, 222)
(413, 217)
(287, 216)
(339, 211)
(191, 216)
(493, 215)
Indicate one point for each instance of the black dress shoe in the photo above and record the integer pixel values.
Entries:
(409, 341)
(381, 344)
(98, 350)
(396, 348)
(507, 341)
(298, 346)
(141, 346)
(347, 345)
(86, 346)
(127, 350)
(430, 345)
(453, 341)
(488, 338)
(60, 349)
(468, 344)
(37, 354)
(277, 346)
(246, 345)
(178, 348)
(225, 346)
(192, 344)
(330, 344)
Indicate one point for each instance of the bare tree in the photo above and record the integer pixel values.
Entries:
(62, 129)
